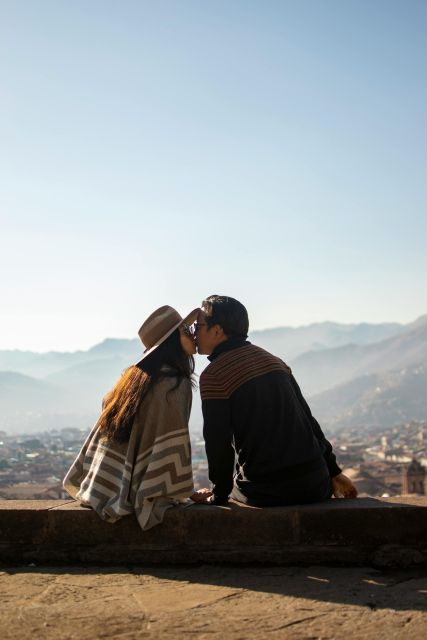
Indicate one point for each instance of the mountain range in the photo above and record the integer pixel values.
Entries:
(326, 368)
(358, 374)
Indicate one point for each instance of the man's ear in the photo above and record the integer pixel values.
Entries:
(219, 331)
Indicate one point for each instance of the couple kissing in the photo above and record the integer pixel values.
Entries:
(263, 446)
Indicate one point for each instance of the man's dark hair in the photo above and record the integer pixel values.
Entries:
(229, 313)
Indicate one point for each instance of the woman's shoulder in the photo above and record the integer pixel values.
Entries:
(169, 393)
(173, 383)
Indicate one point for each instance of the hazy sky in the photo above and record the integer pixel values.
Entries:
(157, 152)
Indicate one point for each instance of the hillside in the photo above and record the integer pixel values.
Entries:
(375, 400)
(322, 370)
(20, 394)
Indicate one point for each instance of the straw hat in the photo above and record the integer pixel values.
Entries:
(160, 325)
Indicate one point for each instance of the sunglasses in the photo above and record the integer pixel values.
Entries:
(197, 325)
(191, 330)
(187, 329)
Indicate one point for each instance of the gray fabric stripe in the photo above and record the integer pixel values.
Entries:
(101, 462)
(102, 481)
(96, 494)
(162, 489)
(181, 451)
(169, 436)
(176, 475)
(108, 452)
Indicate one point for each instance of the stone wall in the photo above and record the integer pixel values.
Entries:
(366, 531)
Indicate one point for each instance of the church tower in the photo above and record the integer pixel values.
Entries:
(413, 478)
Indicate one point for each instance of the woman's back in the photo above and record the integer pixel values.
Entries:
(137, 457)
(117, 478)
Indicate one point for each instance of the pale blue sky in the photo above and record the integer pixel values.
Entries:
(158, 152)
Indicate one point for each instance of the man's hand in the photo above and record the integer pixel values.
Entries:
(201, 495)
(343, 487)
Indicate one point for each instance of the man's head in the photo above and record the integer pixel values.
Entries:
(220, 318)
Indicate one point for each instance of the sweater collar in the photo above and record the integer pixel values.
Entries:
(228, 345)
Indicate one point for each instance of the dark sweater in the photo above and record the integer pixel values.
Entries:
(254, 413)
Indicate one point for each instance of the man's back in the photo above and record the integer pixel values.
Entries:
(253, 405)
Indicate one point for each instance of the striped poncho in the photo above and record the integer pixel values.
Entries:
(149, 473)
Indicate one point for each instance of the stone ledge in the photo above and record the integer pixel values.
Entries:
(367, 531)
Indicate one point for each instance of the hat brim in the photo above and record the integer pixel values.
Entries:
(189, 319)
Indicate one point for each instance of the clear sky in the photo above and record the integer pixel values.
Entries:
(157, 152)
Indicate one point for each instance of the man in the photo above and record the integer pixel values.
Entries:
(263, 445)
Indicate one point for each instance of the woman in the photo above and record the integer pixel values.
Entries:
(138, 456)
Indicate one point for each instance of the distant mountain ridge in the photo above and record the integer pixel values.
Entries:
(286, 342)
(344, 365)
(40, 365)
(290, 342)
(322, 370)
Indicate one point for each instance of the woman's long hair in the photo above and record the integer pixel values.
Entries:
(121, 403)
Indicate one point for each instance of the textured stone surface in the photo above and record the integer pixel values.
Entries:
(218, 603)
(381, 532)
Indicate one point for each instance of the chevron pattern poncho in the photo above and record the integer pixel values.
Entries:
(146, 475)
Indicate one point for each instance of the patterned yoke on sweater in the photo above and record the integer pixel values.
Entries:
(146, 475)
